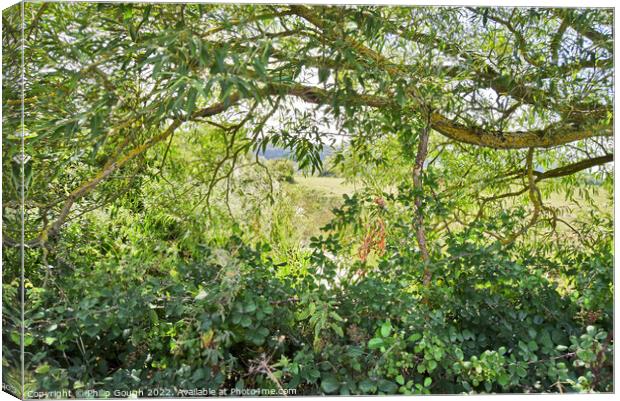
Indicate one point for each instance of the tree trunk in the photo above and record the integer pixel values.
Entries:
(418, 186)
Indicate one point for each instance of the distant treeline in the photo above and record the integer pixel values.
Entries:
(280, 153)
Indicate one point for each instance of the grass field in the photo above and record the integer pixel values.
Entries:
(317, 196)
(332, 186)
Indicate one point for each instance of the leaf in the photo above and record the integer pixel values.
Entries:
(337, 329)
(49, 340)
(226, 89)
(336, 316)
(468, 335)
(259, 66)
(207, 338)
(386, 329)
(28, 339)
(263, 332)
(400, 380)
(414, 337)
(191, 101)
(366, 386)
(375, 343)
(154, 317)
(246, 321)
(438, 354)
(387, 386)
(256, 338)
(249, 307)
(204, 55)
(323, 74)
(128, 14)
(42, 369)
(201, 295)
(303, 314)
(400, 96)
(133, 34)
(220, 56)
(428, 381)
(459, 354)
(330, 384)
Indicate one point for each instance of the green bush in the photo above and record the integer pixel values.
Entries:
(222, 315)
(282, 169)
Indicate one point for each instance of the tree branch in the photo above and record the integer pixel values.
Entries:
(534, 197)
(89, 185)
(574, 168)
(557, 134)
(418, 187)
(598, 38)
(553, 135)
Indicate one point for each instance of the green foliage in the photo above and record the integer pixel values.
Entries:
(221, 313)
(163, 252)
(283, 169)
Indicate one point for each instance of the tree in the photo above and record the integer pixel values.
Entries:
(106, 83)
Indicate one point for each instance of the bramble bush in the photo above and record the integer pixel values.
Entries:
(160, 312)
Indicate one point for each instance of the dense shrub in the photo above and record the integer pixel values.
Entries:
(223, 315)
(283, 169)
